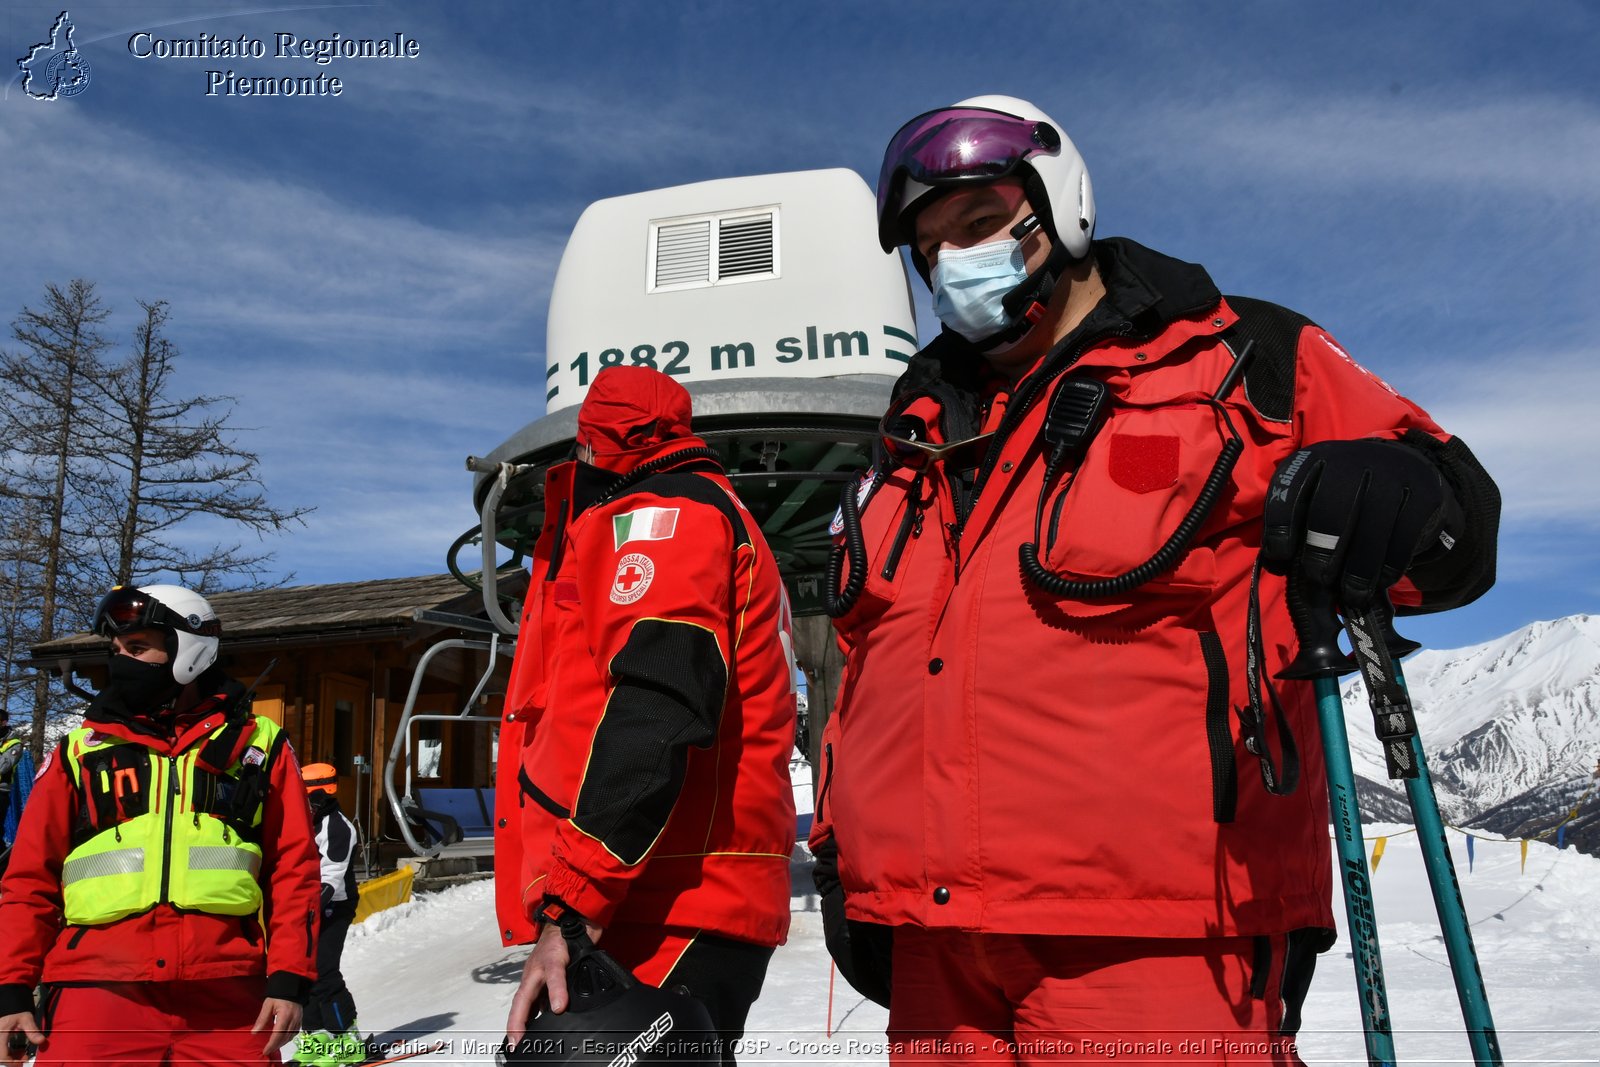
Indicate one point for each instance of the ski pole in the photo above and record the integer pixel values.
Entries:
(1320, 659)
(1371, 633)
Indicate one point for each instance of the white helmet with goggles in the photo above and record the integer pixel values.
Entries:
(184, 614)
(976, 142)
(981, 140)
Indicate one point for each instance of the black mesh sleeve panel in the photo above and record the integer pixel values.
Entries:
(670, 684)
(1269, 381)
(1448, 579)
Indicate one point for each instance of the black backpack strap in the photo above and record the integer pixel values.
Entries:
(1273, 335)
(1275, 330)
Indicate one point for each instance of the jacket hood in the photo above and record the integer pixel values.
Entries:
(631, 415)
(1149, 289)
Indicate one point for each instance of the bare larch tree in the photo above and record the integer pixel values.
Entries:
(47, 425)
(166, 460)
(107, 477)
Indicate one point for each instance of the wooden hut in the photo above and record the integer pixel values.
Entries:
(335, 664)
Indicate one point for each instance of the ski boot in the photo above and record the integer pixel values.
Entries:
(320, 1048)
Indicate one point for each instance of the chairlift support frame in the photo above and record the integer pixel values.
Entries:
(402, 744)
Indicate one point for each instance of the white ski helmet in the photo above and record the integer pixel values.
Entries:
(184, 614)
(960, 144)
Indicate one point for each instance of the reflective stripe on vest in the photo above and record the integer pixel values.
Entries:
(168, 853)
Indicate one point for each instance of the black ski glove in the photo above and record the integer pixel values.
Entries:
(1357, 514)
(862, 951)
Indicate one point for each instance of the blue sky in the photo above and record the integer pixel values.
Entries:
(369, 274)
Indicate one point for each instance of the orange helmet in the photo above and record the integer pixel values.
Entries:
(320, 778)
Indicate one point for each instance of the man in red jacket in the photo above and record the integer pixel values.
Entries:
(1042, 833)
(156, 833)
(654, 698)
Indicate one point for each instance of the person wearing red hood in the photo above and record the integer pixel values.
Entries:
(650, 718)
(159, 837)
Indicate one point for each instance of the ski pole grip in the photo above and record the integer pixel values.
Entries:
(1398, 646)
(1316, 628)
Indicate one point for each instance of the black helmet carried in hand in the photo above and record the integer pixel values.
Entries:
(613, 1018)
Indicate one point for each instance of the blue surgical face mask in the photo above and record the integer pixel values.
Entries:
(970, 283)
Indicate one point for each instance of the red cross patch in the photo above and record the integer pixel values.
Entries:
(634, 573)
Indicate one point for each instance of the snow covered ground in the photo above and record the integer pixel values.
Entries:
(434, 969)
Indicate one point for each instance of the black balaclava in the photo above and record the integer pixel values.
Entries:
(141, 688)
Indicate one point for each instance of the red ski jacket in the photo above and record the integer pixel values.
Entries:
(1004, 759)
(162, 944)
(653, 692)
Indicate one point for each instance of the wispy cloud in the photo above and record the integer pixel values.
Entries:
(369, 350)
(1493, 144)
(1530, 420)
(262, 255)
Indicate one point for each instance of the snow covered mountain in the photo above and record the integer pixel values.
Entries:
(1511, 729)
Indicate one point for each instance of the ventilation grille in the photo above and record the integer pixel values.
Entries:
(683, 253)
(744, 246)
(711, 249)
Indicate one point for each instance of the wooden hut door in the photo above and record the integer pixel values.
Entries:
(345, 721)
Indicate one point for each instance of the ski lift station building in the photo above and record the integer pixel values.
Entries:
(770, 300)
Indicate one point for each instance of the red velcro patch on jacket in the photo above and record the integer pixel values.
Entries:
(1144, 464)
(566, 592)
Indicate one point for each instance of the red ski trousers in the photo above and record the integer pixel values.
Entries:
(1004, 999)
(150, 1023)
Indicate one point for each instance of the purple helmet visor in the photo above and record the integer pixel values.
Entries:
(954, 145)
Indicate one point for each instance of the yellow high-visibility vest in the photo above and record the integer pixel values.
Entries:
(165, 829)
(6, 746)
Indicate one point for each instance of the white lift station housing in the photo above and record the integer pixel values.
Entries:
(769, 299)
(777, 276)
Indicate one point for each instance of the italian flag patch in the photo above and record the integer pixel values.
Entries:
(646, 524)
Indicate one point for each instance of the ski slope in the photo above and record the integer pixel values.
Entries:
(434, 969)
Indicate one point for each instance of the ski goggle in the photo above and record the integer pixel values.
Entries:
(954, 145)
(126, 609)
(898, 437)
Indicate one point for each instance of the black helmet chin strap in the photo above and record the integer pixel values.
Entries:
(1029, 299)
(1027, 302)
